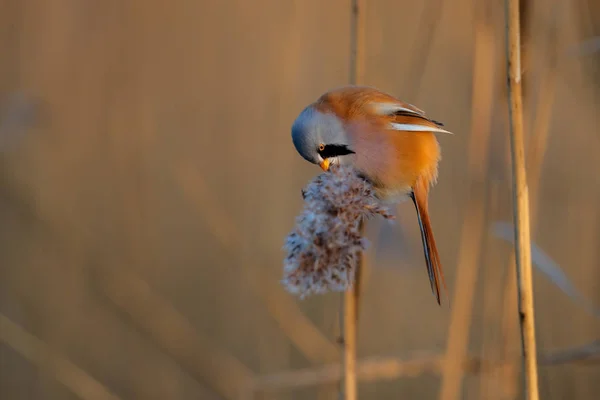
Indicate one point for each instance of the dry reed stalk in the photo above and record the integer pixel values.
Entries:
(369, 369)
(421, 49)
(325, 248)
(350, 342)
(303, 334)
(41, 355)
(373, 369)
(173, 333)
(492, 303)
(588, 354)
(352, 297)
(521, 200)
(535, 157)
(357, 42)
(474, 225)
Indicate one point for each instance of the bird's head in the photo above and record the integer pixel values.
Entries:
(320, 138)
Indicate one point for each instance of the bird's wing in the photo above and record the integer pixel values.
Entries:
(405, 117)
(355, 102)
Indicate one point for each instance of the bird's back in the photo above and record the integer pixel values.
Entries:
(392, 159)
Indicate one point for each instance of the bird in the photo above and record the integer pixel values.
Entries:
(390, 143)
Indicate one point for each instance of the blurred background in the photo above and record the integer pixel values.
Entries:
(148, 181)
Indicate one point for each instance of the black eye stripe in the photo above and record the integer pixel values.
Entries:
(335, 150)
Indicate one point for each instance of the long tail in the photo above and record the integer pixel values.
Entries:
(419, 196)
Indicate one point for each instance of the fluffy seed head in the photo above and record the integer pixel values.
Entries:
(324, 247)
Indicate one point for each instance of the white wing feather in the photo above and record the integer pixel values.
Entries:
(392, 108)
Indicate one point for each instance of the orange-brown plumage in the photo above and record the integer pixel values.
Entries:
(414, 154)
(391, 143)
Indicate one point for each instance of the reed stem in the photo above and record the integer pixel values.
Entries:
(521, 201)
(351, 297)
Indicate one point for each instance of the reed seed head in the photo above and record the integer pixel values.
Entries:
(324, 248)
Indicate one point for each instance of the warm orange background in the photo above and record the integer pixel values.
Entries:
(148, 179)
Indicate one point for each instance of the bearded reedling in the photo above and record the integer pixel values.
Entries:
(390, 143)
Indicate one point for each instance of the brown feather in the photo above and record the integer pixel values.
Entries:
(397, 162)
(351, 102)
(432, 257)
(393, 160)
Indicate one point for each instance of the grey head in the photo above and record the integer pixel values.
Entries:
(320, 137)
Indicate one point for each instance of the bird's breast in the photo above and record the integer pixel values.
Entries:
(394, 160)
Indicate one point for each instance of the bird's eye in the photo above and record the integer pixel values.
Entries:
(321, 147)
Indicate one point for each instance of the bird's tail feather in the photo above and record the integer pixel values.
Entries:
(432, 258)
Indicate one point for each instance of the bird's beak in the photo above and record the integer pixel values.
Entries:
(324, 164)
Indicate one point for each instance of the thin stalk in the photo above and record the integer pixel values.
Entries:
(357, 42)
(42, 356)
(421, 50)
(521, 201)
(537, 145)
(350, 325)
(490, 387)
(351, 297)
(535, 154)
(473, 228)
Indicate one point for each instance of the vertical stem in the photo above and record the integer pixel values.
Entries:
(351, 297)
(474, 225)
(521, 201)
(422, 46)
(350, 323)
(535, 156)
(357, 42)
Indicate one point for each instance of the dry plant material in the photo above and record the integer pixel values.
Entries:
(521, 202)
(324, 247)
